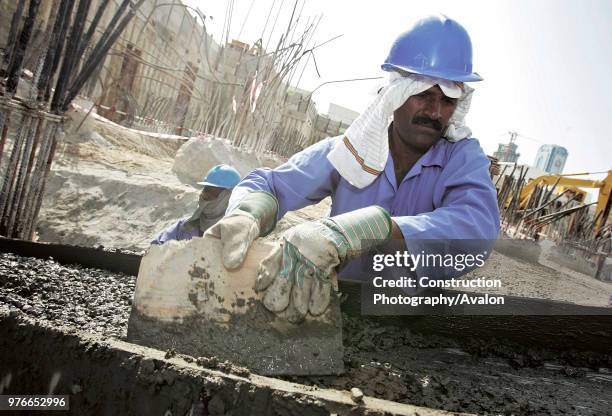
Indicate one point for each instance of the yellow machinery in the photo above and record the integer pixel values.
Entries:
(604, 186)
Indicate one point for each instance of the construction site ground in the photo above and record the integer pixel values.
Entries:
(383, 361)
(116, 188)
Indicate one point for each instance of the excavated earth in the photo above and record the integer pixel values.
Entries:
(383, 361)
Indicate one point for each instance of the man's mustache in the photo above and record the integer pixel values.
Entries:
(427, 122)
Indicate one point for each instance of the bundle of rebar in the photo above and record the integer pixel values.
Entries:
(230, 90)
(545, 212)
(31, 110)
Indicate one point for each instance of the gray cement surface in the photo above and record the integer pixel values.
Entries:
(383, 361)
(89, 299)
(104, 376)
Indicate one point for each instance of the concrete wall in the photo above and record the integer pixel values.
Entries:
(343, 114)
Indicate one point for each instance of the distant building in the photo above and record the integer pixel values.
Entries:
(343, 114)
(304, 125)
(507, 152)
(551, 158)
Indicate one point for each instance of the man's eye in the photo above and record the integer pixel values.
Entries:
(449, 100)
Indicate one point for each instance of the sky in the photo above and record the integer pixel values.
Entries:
(546, 64)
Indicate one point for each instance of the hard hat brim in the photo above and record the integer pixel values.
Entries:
(214, 185)
(448, 75)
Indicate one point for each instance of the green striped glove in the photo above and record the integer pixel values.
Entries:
(298, 275)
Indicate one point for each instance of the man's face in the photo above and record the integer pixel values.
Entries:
(210, 193)
(420, 121)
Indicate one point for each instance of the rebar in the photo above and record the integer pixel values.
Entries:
(30, 129)
(15, 25)
(20, 190)
(38, 176)
(84, 42)
(70, 55)
(18, 53)
(99, 52)
(56, 45)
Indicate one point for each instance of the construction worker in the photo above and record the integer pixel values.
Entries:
(417, 178)
(218, 184)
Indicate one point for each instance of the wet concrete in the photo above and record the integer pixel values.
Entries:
(479, 377)
(88, 299)
(246, 340)
(386, 362)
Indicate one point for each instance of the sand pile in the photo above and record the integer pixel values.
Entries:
(199, 154)
(119, 187)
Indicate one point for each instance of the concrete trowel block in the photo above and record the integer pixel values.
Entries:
(185, 299)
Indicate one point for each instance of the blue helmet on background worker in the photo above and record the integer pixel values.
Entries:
(435, 46)
(221, 176)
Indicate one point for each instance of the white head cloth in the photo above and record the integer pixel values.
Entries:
(363, 153)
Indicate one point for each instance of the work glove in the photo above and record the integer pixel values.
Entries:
(254, 216)
(298, 275)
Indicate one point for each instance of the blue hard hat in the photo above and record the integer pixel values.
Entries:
(435, 46)
(221, 176)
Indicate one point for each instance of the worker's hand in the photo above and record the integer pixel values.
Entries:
(252, 217)
(237, 232)
(298, 275)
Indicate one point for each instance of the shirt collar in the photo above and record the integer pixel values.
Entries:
(435, 156)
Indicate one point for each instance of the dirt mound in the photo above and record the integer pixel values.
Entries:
(92, 206)
(199, 154)
(119, 187)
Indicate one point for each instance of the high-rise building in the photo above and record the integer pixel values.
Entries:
(507, 152)
(551, 158)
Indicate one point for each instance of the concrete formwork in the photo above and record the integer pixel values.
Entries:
(107, 376)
